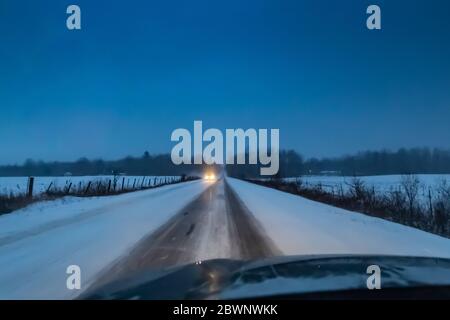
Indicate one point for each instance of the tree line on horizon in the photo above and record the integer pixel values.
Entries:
(384, 162)
(146, 164)
(402, 161)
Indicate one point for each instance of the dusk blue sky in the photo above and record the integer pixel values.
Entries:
(140, 69)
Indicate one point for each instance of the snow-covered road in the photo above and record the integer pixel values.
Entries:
(215, 225)
(178, 224)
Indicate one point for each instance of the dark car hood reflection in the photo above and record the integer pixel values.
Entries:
(233, 279)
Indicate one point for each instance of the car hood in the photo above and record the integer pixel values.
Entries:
(236, 279)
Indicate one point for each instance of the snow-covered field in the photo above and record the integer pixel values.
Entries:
(18, 185)
(381, 184)
(39, 242)
(301, 226)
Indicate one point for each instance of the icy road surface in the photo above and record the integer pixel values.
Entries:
(112, 237)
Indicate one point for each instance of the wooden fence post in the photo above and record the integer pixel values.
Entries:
(68, 189)
(30, 187)
(49, 187)
(87, 188)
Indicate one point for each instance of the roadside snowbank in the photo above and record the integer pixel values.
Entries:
(301, 226)
(38, 243)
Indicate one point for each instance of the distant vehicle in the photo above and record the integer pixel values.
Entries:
(295, 277)
(210, 176)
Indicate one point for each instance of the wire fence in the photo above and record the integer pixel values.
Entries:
(98, 186)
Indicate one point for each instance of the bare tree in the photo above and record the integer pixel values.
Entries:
(357, 188)
(410, 184)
